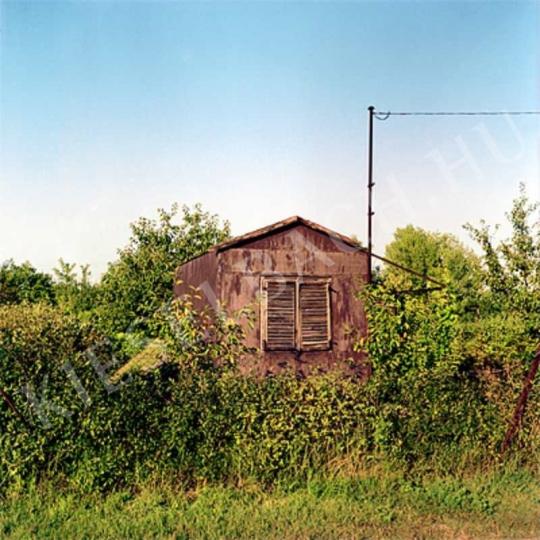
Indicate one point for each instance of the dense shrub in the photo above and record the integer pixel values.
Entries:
(196, 421)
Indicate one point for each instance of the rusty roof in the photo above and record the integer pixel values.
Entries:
(281, 225)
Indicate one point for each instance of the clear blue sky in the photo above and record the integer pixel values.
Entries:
(109, 110)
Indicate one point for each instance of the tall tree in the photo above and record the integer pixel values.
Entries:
(437, 255)
(511, 267)
(141, 280)
(23, 283)
(74, 292)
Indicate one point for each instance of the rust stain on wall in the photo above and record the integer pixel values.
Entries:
(231, 275)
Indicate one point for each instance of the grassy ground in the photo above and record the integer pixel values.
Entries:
(501, 505)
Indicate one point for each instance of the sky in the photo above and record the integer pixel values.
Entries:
(258, 110)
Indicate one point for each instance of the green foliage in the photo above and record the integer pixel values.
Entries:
(512, 266)
(203, 339)
(36, 342)
(436, 255)
(140, 281)
(195, 420)
(287, 427)
(75, 295)
(23, 283)
(78, 423)
(429, 403)
(409, 332)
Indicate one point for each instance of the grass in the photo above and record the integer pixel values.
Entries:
(495, 505)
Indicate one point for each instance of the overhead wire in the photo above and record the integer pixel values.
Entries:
(384, 115)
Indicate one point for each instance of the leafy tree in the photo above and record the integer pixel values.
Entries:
(437, 255)
(509, 328)
(23, 283)
(76, 295)
(512, 266)
(141, 280)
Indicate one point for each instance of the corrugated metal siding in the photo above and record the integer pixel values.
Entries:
(298, 251)
(234, 277)
(200, 273)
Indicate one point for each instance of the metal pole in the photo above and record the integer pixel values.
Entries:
(371, 110)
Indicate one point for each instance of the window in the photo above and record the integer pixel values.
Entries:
(296, 314)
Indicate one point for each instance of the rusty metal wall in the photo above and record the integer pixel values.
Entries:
(200, 274)
(298, 251)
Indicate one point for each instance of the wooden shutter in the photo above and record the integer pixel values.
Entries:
(314, 304)
(280, 315)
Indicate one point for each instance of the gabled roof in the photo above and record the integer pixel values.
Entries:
(297, 220)
(282, 225)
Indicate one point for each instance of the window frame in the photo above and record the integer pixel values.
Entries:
(298, 280)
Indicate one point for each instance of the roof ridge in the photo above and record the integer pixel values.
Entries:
(278, 225)
(274, 227)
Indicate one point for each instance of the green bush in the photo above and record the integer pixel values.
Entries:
(23, 283)
(199, 420)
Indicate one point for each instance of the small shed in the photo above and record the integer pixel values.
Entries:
(301, 280)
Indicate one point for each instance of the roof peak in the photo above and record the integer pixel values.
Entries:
(283, 224)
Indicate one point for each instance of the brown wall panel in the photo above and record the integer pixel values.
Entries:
(234, 276)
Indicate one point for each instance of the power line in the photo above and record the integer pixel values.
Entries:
(372, 112)
(387, 114)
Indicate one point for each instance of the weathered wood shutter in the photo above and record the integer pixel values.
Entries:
(314, 307)
(280, 315)
(296, 314)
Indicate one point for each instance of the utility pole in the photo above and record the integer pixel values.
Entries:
(371, 113)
